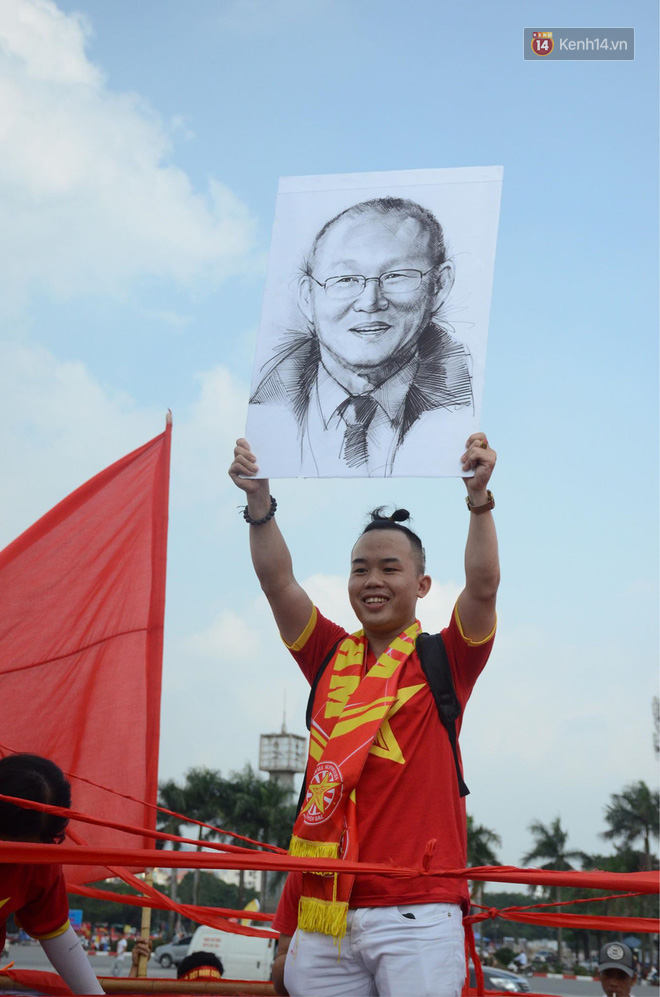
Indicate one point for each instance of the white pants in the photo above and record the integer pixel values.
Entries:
(383, 954)
(118, 965)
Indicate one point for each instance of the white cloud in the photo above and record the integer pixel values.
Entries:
(224, 686)
(544, 735)
(227, 636)
(206, 436)
(59, 427)
(89, 199)
(50, 43)
(435, 609)
(330, 594)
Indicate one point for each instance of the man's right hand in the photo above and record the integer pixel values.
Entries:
(141, 950)
(291, 606)
(245, 463)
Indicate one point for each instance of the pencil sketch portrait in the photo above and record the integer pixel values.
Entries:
(372, 354)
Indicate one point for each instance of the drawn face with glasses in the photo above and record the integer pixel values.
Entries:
(372, 288)
(352, 285)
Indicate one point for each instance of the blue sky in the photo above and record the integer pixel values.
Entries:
(140, 148)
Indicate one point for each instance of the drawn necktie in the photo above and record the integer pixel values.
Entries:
(357, 411)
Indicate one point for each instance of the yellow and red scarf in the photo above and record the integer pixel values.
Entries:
(353, 707)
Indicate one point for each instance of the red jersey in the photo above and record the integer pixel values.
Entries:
(286, 917)
(36, 895)
(408, 792)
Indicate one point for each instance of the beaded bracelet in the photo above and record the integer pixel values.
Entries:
(260, 522)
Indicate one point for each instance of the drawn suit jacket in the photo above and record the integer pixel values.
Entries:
(443, 379)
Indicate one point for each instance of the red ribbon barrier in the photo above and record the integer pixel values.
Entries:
(18, 851)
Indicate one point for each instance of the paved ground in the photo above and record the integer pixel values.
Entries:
(565, 988)
(31, 956)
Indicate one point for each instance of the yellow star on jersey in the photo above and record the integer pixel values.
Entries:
(318, 790)
(385, 743)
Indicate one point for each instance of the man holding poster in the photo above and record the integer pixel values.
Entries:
(382, 778)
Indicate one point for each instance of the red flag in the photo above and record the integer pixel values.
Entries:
(82, 600)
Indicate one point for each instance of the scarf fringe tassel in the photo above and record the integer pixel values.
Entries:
(314, 849)
(328, 917)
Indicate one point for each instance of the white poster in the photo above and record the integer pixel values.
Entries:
(371, 352)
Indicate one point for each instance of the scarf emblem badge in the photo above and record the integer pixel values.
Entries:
(323, 793)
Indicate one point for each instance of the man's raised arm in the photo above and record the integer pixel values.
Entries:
(476, 603)
(290, 604)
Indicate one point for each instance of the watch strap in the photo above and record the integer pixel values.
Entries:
(486, 507)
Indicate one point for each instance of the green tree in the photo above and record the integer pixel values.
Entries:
(261, 810)
(550, 844)
(633, 815)
(625, 859)
(208, 799)
(480, 843)
(213, 891)
(498, 929)
(245, 802)
(204, 796)
(172, 797)
(107, 911)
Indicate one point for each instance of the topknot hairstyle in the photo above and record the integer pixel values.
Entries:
(394, 522)
(197, 959)
(31, 777)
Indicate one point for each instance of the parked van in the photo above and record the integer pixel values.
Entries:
(244, 957)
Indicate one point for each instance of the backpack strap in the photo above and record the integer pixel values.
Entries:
(433, 658)
(317, 678)
(308, 713)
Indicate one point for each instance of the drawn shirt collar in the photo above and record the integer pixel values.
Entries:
(335, 384)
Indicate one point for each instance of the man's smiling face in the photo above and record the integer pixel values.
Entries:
(365, 331)
(385, 582)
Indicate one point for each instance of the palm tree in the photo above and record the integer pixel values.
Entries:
(633, 814)
(246, 803)
(204, 796)
(208, 799)
(624, 860)
(171, 797)
(261, 810)
(480, 843)
(551, 846)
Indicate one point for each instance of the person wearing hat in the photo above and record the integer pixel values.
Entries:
(616, 967)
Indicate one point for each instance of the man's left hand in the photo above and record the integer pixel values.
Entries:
(480, 458)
